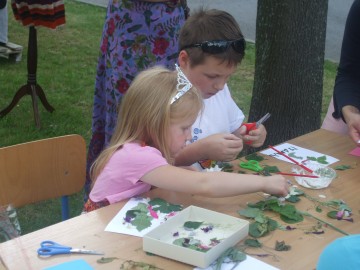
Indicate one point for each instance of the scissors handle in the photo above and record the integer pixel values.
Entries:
(251, 165)
(249, 127)
(52, 244)
(44, 251)
(48, 248)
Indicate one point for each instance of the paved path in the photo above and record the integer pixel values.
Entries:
(245, 13)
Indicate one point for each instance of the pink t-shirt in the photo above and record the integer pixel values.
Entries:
(120, 179)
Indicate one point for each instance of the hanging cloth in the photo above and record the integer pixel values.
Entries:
(47, 13)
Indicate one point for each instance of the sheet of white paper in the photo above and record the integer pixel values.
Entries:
(298, 153)
(249, 264)
(119, 225)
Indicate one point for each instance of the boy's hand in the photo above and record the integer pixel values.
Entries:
(222, 146)
(256, 136)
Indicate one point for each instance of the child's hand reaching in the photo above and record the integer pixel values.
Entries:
(222, 146)
(255, 137)
(276, 185)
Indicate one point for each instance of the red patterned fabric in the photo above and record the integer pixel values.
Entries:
(91, 206)
(47, 13)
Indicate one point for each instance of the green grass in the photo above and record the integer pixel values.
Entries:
(66, 66)
(67, 59)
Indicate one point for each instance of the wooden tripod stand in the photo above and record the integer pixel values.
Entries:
(31, 87)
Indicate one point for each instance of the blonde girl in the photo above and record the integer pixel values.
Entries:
(154, 124)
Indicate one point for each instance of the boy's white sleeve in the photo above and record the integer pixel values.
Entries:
(235, 114)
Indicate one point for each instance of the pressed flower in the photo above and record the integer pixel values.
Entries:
(203, 247)
(186, 242)
(214, 241)
(318, 232)
(261, 255)
(152, 212)
(340, 214)
(207, 229)
(127, 219)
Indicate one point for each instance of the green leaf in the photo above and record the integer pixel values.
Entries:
(233, 254)
(292, 154)
(332, 214)
(106, 259)
(157, 201)
(265, 204)
(292, 199)
(132, 213)
(288, 213)
(322, 160)
(142, 207)
(271, 169)
(293, 219)
(342, 167)
(236, 255)
(141, 222)
(253, 243)
(281, 246)
(254, 156)
(189, 242)
(296, 191)
(257, 230)
(318, 209)
(273, 224)
(164, 207)
(250, 212)
(192, 225)
(225, 165)
(261, 218)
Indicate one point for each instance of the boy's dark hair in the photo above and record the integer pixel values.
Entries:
(208, 25)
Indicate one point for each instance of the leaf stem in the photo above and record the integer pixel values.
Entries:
(325, 222)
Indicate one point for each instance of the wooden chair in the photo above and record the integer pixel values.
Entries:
(41, 170)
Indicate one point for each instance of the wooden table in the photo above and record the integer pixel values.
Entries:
(87, 230)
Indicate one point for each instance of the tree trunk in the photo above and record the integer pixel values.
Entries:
(290, 46)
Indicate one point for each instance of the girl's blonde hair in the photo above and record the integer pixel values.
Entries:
(146, 113)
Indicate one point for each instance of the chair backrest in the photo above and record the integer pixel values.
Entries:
(40, 170)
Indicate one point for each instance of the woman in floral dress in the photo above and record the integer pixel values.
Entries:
(136, 35)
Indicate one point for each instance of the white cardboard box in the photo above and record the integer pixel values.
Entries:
(227, 228)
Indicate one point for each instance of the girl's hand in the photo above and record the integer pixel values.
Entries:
(276, 185)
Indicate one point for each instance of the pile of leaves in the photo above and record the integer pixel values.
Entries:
(263, 225)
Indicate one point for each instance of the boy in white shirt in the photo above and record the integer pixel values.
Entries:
(211, 46)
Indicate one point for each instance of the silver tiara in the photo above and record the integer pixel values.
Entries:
(183, 84)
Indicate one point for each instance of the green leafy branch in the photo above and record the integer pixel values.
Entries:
(262, 224)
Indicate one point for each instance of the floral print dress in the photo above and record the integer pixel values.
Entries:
(136, 35)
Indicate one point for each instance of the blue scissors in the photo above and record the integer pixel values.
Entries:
(49, 248)
(252, 165)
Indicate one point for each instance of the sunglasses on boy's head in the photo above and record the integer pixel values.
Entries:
(219, 46)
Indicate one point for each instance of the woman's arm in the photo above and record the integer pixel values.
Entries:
(352, 117)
